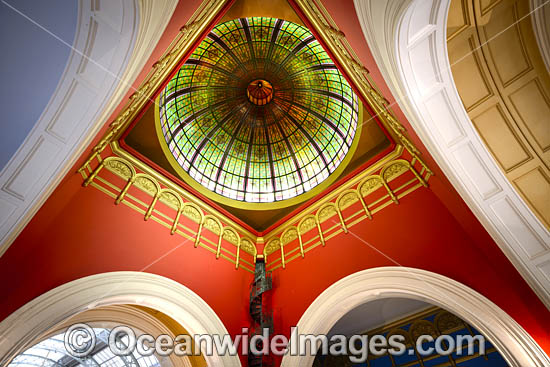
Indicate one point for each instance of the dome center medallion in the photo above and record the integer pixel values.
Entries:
(259, 92)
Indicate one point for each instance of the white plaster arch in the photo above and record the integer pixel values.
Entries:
(408, 41)
(113, 40)
(541, 26)
(29, 323)
(510, 339)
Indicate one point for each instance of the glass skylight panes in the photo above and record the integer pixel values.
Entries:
(258, 153)
(51, 352)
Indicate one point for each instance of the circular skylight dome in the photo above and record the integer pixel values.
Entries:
(259, 112)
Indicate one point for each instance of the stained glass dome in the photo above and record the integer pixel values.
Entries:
(259, 112)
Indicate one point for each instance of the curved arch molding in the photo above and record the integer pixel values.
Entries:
(510, 339)
(112, 42)
(541, 25)
(408, 41)
(44, 313)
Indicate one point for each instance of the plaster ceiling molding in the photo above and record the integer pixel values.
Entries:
(514, 344)
(541, 25)
(49, 311)
(408, 42)
(504, 87)
(113, 40)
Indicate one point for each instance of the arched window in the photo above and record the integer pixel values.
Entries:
(55, 352)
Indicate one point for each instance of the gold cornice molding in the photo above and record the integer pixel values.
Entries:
(143, 167)
(395, 154)
(178, 48)
(293, 231)
(196, 237)
(338, 47)
(140, 176)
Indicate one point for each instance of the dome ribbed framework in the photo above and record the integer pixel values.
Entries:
(259, 112)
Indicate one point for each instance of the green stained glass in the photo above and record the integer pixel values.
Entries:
(259, 112)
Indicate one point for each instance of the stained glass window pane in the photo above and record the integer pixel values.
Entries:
(259, 112)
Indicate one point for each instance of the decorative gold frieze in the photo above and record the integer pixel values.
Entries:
(272, 246)
(329, 206)
(173, 200)
(307, 224)
(333, 206)
(147, 184)
(249, 247)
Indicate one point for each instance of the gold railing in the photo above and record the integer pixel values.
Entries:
(373, 193)
(373, 189)
(162, 198)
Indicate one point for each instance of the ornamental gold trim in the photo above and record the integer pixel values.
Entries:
(187, 196)
(161, 189)
(333, 206)
(336, 41)
(172, 199)
(188, 34)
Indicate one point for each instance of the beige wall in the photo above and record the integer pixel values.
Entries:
(505, 88)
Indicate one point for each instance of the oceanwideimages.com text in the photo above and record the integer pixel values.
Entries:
(80, 340)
